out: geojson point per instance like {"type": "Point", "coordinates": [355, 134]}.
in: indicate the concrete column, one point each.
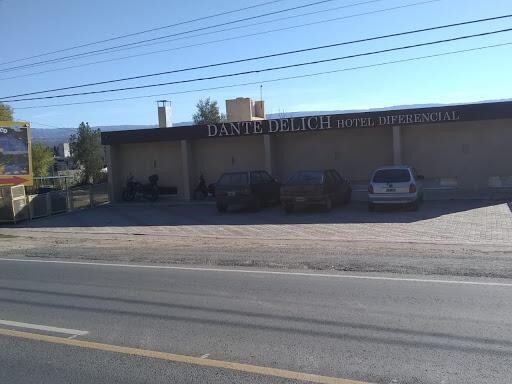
{"type": "Point", "coordinates": [112, 172]}
{"type": "Point", "coordinates": [397, 145]}
{"type": "Point", "coordinates": [268, 149]}
{"type": "Point", "coordinates": [186, 164]}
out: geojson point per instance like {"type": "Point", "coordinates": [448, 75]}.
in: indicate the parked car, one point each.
{"type": "Point", "coordinates": [315, 188]}
{"type": "Point", "coordinates": [252, 189]}
{"type": "Point", "coordinates": [395, 185]}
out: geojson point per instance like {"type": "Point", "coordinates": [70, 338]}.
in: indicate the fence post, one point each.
{"type": "Point", "coordinates": [91, 197]}
{"type": "Point", "coordinates": [30, 208]}
{"type": "Point", "coordinates": [48, 204]}
{"type": "Point", "coordinates": [69, 195]}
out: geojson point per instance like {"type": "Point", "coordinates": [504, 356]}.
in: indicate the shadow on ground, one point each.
{"type": "Point", "coordinates": [263, 321]}
{"type": "Point", "coordinates": [148, 214]}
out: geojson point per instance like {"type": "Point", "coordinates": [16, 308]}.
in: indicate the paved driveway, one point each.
{"type": "Point", "coordinates": [444, 222]}
{"type": "Point", "coordinates": [462, 238]}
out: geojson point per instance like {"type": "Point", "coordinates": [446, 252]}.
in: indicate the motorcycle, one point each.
{"type": "Point", "coordinates": [201, 192]}
{"type": "Point", "coordinates": [136, 190]}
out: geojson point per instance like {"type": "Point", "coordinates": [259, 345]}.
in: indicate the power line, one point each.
{"type": "Point", "coordinates": [231, 38]}
{"type": "Point", "coordinates": [266, 56]}
{"type": "Point", "coordinates": [172, 35]}
{"type": "Point", "coordinates": [267, 69]}
{"type": "Point", "coordinates": [417, 58]}
{"type": "Point", "coordinates": [142, 32]}
{"type": "Point", "coordinates": [164, 39]}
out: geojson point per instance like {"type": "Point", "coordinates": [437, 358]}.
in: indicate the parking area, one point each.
{"type": "Point", "coordinates": [441, 222]}
{"type": "Point", "coordinates": [455, 238]}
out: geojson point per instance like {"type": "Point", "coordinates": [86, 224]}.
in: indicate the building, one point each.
{"type": "Point", "coordinates": [244, 109]}
{"type": "Point", "coordinates": [62, 159]}
{"type": "Point", "coordinates": [466, 149]}
{"type": "Point", "coordinates": [63, 150]}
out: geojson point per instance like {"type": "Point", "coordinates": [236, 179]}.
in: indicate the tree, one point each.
{"type": "Point", "coordinates": [42, 159]}
{"type": "Point", "coordinates": [5, 112]}
{"type": "Point", "coordinates": [86, 151]}
{"type": "Point", "coordinates": [208, 112]}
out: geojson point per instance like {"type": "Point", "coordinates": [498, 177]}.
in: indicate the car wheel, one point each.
{"type": "Point", "coordinates": [128, 195]}
{"type": "Point", "coordinates": [257, 204]}
{"type": "Point", "coordinates": [288, 208]}
{"type": "Point", "coordinates": [199, 195]}
{"type": "Point", "coordinates": [328, 205]}
{"type": "Point", "coordinates": [348, 198]}
{"type": "Point", "coordinates": [415, 206]}
{"type": "Point", "coordinates": [371, 207]}
{"type": "Point", "coordinates": [153, 196]}
{"type": "Point", "coordinates": [222, 207]}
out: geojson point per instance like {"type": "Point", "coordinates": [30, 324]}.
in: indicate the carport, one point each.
{"type": "Point", "coordinates": [463, 150]}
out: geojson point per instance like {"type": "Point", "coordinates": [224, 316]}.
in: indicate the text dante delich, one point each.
{"type": "Point", "coordinates": [314, 123]}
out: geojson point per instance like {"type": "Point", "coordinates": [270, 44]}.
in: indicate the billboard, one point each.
{"type": "Point", "coordinates": [15, 153]}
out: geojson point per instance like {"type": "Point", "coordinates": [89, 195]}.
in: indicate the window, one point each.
{"type": "Point", "coordinates": [392, 176]}
{"type": "Point", "coordinates": [256, 178]}
{"type": "Point", "coordinates": [234, 179]}
{"type": "Point", "coordinates": [337, 176]}
{"type": "Point", "coordinates": [306, 177]}
{"type": "Point", "coordinates": [329, 178]}
{"type": "Point", "coordinates": [265, 177]}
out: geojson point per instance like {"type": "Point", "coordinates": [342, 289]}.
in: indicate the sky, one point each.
{"type": "Point", "coordinates": [32, 27]}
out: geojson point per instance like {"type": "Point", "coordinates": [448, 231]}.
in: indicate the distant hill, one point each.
{"type": "Point", "coordinates": [52, 136]}
{"type": "Point", "coordinates": [55, 136]}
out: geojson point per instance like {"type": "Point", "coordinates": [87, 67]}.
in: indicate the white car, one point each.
{"type": "Point", "coordinates": [395, 185]}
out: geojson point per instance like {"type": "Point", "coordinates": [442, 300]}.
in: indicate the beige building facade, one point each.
{"type": "Point", "coordinates": [466, 149]}
{"type": "Point", "coordinates": [244, 109]}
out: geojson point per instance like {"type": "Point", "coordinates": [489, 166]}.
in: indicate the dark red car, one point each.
{"type": "Point", "coordinates": [315, 188]}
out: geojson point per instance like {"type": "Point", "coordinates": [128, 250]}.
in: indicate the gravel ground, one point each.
{"type": "Point", "coordinates": [411, 258]}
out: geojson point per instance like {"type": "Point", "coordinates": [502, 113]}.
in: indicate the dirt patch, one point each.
{"type": "Point", "coordinates": [455, 238]}
{"type": "Point", "coordinates": [414, 258]}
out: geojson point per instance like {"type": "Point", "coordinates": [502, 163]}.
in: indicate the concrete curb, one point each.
{"type": "Point", "coordinates": [164, 203]}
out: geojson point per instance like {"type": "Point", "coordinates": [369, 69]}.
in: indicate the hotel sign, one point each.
{"type": "Point", "coordinates": [323, 123]}
{"type": "Point", "coordinates": [326, 122]}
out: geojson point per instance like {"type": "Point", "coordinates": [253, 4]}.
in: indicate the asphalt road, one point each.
{"type": "Point", "coordinates": [372, 330]}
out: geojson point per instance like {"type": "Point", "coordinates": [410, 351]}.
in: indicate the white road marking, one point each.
{"type": "Point", "coordinates": [260, 272]}
{"type": "Point", "coordinates": [72, 337]}
{"type": "Point", "coordinates": [67, 331]}
{"type": "Point", "coordinates": [205, 356]}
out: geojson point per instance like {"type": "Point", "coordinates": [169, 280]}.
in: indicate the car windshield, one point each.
{"type": "Point", "coordinates": [306, 177]}
{"type": "Point", "coordinates": [239, 178]}
{"type": "Point", "coordinates": [392, 176]}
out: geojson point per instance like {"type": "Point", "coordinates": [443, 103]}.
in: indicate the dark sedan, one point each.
{"type": "Point", "coordinates": [252, 189]}
{"type": "Point", "coordinates": [315, 188]}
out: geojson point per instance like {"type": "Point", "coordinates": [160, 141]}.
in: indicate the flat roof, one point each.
{"type": "Point", "coordinates": [317, 123]}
